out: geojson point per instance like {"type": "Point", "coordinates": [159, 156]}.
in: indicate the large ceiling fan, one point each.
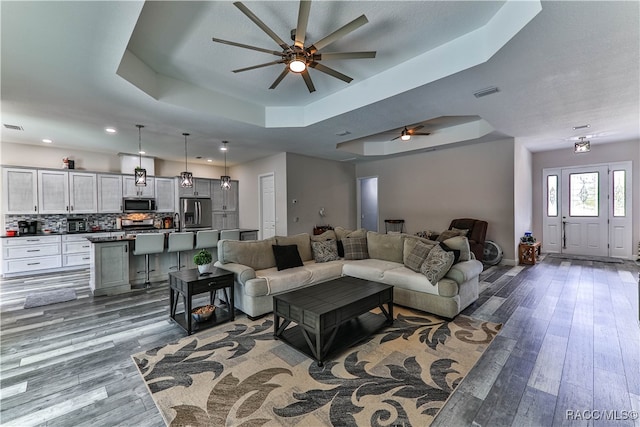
{"type": "Point", "coordinates": [296, 57]}
{"type": "Point", "coordinates": [406, 134]}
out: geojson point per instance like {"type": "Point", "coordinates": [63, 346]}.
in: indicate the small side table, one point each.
{"type": "Point", "coordinates": [529, 253]}
{"type": "Point", "coordinates": [189, 283]}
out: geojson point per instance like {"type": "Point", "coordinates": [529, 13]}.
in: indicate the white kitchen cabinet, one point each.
{"type": "Point", "coordinates": [110, 272]}
{"type": "Point", "coordinates": [201, 188]}
{"type": "Point", "coordinates": [83, 192]}
{"type": "Point", "coordinates": [165, 194]}
{"type": "Point", "coordinates": [109, 193]}
{"type": "Point", "coordinates": [19, 191]}
{"type": "Point", "coordinates": [129, 188]}
{"type": "Point", "coordinates": [30, 253]}
{"type": "Point", "coordinates": [76, 249]}
{"type": "Point", "coordinates": [225, 220]}
{"type": "Point", "coordinates": [225, 206]}
{"type": "Point", "coordinates": [53, 192]}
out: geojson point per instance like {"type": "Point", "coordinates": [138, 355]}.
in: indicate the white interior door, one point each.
{"type": "Point", "coordinates": [267, 206]}
{"type": "Point", "coordinates": [585, 214]}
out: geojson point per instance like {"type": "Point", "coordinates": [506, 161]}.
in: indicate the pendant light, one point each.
{"type": "Point", "coordinates": [186, 178]}
{"type": "Point", "coordinates": [140, 174]}
{"type": "Point", "coordinates": [225, 180]}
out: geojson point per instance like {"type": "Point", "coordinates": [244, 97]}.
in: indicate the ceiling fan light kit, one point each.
{"type": "Point", "coordinates": [406, 134]}
{"type": "Point", "coordinates": [296, 57]}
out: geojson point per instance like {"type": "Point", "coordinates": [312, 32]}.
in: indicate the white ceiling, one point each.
{"type": "Point", "coordinates": [69, 69]}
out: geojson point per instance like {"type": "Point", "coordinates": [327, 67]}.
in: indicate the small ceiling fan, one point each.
{"type": "Point", "coordinates": [406, 134]}
{"type": "Point", "coordinates": [296, 57]}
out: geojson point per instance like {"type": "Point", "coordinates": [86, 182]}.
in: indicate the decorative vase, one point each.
{"type": "Point", "coordinates": [204, 268]}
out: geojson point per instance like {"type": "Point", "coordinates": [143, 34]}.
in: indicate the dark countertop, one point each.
{"type": "Point", "coordinates": [111, 239]}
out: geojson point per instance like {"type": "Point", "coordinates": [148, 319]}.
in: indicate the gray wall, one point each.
{"type": "Point", "coordinates": [430, 189]}
{"type": "Point", "coordinates": [317, 183]}
{"type": "Point", "coordinates": [523, 193]}
{"type": "Point", "coordinates": [600, 153]}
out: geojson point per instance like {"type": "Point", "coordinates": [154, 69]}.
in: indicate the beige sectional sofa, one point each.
{"type": "Point", "coordinates": [257, 278]}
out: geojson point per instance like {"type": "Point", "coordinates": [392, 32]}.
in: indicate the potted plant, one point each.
{"type": "Point", "coordinates": [203, 260]}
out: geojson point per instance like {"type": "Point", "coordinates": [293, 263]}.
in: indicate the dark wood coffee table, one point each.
{"type": "Point", "coordinates": [331, 316]}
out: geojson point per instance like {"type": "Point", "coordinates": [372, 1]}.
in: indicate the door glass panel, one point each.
{"type": "Point", "coordinates": [552, 195]}
{"type": "Point", "coordinates": [583, 193]}
{"type": "Point", "coordinates": [619, 190]}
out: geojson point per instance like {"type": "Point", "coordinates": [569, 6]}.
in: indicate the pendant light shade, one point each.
{"type": "Point", "coordinates": [186, 178]}
{"type": "Point", "coordinates": [225, 180]}
{"type": "Point", "coordinates": [140, 173]}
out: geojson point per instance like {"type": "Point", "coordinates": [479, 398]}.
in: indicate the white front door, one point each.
{"type": "Point", "coordinates": [267, 206]}
{"type": "Point", "coordinates": [584, 211]}
{"type": "Point", "coordinates": [588, 210]}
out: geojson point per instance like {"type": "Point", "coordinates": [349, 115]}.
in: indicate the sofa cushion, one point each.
{"type": "Point", "coordinates": [256, 254]}
{"type": "Point", "coordinates": [355, 248]}
{"type": "Point", "coordinates": [368, 269]}
{"type": "Point", "coordinates": [278, 281]}
{"type": "Point", "coordinates": [461, 244]}
{"type": "Point", "coordinates": [387, 247]}
{"type": "Point", "coordinates": [343, 233]}
{"type": "Point", "coordinates": [405, 278]}
{"type": "Point", "coordinates": [325, 251]}
{"type": "Point", "coordinates": [455, 252]}
{"type": "Point", "coordinates": [437, 264]}
{"type": "Point", "coordinates": [417, 255]}
{"type": "Point", "coordinates": [287, 256]}
{"type": "Point", "coordinates": [327, 235]}
{"type": "Point", "coordinates": [303, 242]}
{"type": "Point", "coordinates": [447, 234]}
{"type": "Point", "coordinates": [324, 271]}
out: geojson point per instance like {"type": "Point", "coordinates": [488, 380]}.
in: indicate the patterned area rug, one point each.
{"type": "Point", "coordinates": [237, 375]}
{"type": "Point", "coordinates": [49, 297]}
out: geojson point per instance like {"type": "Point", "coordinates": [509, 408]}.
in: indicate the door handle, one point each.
{"type": "Point", "coordinates": [564, 234]}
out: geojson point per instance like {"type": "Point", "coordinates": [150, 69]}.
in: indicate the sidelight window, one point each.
{"type": "Point", "coordinates": [552, 195]}
{"type": "Point", "coordinates": [619, 191]}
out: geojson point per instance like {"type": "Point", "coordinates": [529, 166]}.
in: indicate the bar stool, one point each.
{"type": "Point", "coordinates": [230, 234]}
{"type": "Point", "coordinates": [180, 242]}
{"type": "Point", "coordinates": [207, 239]}
{"type": "Point", "coordinates": [146, 244]}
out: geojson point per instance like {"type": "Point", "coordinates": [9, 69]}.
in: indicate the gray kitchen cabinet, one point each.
{"type": "Point", "coordinates": [129, 188]}
{"type": "Point", "coordinates": [225, 205]}
{"type": "Point", "coordinates": [110, 272]}
{"type": "Point", "coordinates": [165, 194]}
{"type": "Point", "coordinates": [83, 192]}
{"type": "Point", "coordinates": [109, 193]}
{"type": "Point", "coordinates": [19, 191]}
{"type": "Point", "coordinates": [53, 192]}
{"type": "Point", "coordinates": [201, 188]}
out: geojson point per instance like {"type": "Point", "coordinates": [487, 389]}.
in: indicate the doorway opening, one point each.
{"type": "Point", "coordinates": [368, 203]}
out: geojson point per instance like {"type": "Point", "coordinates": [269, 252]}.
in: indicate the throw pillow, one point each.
{"type": "Point", "coordinates": [325, 251]}
{"type": "Point", "coordinates": [355, 248]}
{"type": "Point", "coordinates": [327, 235]}
{"type": "Point", "coordinates": [447, 234]}
{"type": "Point", "coordinates": [418, 254]}
{"type": "Point", "coordinates": [436, 265]}
{"type": "Point", "coordinates": [460, 243]}
{"type": "Point", "coordinates": [287, 256]}
{"type": "Point", "coordinates": [455, 252]}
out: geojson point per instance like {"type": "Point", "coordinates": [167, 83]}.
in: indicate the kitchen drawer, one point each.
{"type": "Point", "coordinates": [76, 247]}
{"type": "Point", "coordinates": [76, 259]}
{"type": "Point", "coordinates": [13, 252]}
{"type": "Point", "coordinates": [30, 264]}
{"type": "Point", "coordinates": [30, 240]}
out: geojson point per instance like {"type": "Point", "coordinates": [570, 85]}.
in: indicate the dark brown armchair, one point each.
{"type": "Point", "coordinates": [476, 235]}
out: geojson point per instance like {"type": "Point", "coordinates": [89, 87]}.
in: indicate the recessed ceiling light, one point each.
{"type": "Point", "coordinates": [142, 152]}
{"type": "Point", "coordinates": [209, 160]}
{"type": "Point", "coordinates": [110, 130]}
{"type": "Point", "coordinates": [581, 127]}
{"type": "Point", "coordinates": [47, 141]}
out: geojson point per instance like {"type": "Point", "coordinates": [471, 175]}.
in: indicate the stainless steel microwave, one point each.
{"type": "Point", "coordinates": [138, 204]}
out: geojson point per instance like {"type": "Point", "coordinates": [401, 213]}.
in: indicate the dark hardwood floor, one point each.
{"type": "Point", "coordinates": [570, 342]}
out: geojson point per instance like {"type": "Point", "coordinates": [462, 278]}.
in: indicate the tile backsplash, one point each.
{"type": "Point", "coordinates": [58, 223]}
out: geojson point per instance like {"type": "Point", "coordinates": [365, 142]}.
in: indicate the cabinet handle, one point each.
{"type": "Point", "coordinates": [35, 208]}
{"type": "Point", "coordinates": [33, 263]}
{"type": "Point", "coordinates": [67, 208]}
{"type": "Point", "coordinates": [72, 208]}
{"type": "Point", "coordinates": [87, 246]}
{"type": "Point", "coordinates": [86, 258]}
{"type": "Point", "coordinates": [33, 240]}
{"type": "Point", "coordinates": [126, 249]}
{"type": "Point", "coordinates": [33, 250]}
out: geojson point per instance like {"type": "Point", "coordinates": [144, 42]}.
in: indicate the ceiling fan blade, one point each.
{"type": "Point", "coordinates": [280, 77]}
{"type": "Point", "coordinates": [331, 72]}
{"type": "Point", "coordinates": [421, 133]}
{"type": "Point", "coordinates": [246, 46]}
{"type": "Point", "coordinates": [244, 9]}
{"type": "Point", "coordinates": [307, 81]}
{"type": "Point", "coordinates": [344, 55]}
{"type": "Point", "coordinates": [413, 130]}
{"type": "Point", "coordinates": [303, 20]}
{"type": "Point", "coordinates": [393, 139]}
{"type": "Point", "coordinates": [340, 32]}
{"type": "Point", "coordinates": [239, 70]}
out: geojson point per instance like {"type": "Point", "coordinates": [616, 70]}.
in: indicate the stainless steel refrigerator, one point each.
{"type": "Point", "coordinates": [195, 214]}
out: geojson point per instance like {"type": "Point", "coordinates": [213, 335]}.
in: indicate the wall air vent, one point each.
{"type": "Point", "coordinates": [484, 92]}
{"type": "Point", "coordinates": [13, 127]}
